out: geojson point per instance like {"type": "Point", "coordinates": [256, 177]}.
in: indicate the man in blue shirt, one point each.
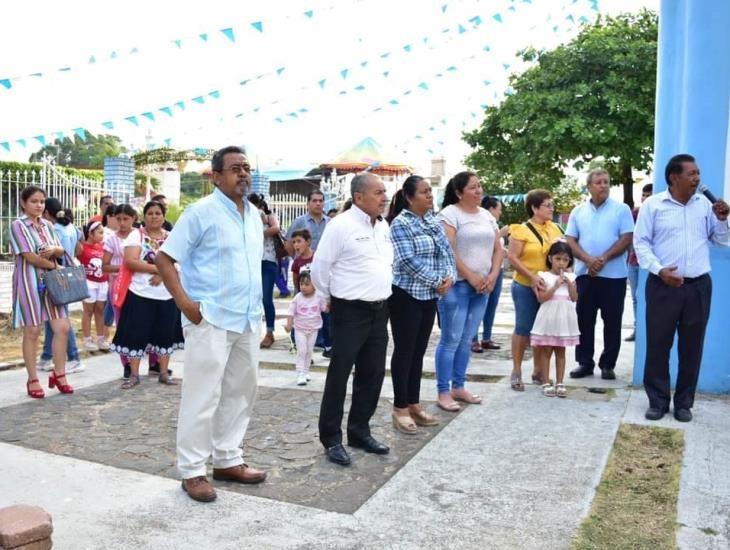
{"type": "Point", "coordinates": [599, 233]}
{"type": "Point", "coordinates": [218, 244]}
{"type": "Point", "coordinates": [673, 234]}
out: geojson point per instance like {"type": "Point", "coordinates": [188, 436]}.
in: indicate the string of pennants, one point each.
{"type": "Point", "coordinates": [179, 107]}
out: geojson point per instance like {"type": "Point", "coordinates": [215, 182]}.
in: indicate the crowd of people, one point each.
{"type": "Point", "coordinates": [207, 283]}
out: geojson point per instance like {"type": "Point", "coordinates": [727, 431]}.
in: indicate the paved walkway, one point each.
{"type": "Point", "coordinates": [519, 471]}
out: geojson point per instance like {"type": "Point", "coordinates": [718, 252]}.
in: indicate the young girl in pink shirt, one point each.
{"type": "Point", "coordinates": [305, 315]}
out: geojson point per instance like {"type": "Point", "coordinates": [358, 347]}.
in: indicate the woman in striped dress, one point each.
{"type": "Point", "coordinates": [36, 248]}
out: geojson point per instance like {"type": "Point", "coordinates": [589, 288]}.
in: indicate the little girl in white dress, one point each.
{"type": "Point", "coordinates": [556, 324]}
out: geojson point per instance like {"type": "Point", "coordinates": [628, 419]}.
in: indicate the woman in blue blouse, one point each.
{"type": "Point", "coordinates": [423, 270]}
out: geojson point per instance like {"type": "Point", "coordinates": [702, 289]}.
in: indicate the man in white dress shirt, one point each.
{"type": "Point", "coordinates": [671, 239]}
{"type": "Point", "coordinates": [353, 269]}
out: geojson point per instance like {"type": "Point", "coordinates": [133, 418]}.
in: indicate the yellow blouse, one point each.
{"type": "Point", "coordinates": [534, 254]}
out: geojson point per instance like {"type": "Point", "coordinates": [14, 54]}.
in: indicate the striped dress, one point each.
{"type": "Point", "coordinates": [29, 307]}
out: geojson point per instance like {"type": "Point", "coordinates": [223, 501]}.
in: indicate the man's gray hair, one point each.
{"type": "Point", "coordinates": [359, 182]}
{"type": "Point", "coordinates": [597, 172]}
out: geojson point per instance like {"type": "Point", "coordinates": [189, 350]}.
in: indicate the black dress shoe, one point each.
{"type": "Point", "coordinates": [683, 415]}
{"type": "Point", "coordinates": [608, 374]}
{"type": "Point", "coordinates": [369, 444]}
{"type": "Point", "coordinates": [631, 337]}
{"type": "Point", "coordinates": [653, 413]}
{"type": "Point", "coordinates": [338, 455]}
{"type": "Point", "coordinates": [327, 353]}
{"type": "Point", "coordinates": [581, 372]}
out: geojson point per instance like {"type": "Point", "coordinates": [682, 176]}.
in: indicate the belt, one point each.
{"type": "Point", "coordinates": [378, 304]}
{"type": "Point", "coordinates": [690, 280]}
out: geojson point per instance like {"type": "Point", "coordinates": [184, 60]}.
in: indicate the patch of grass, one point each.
{"type": "Point", "coordinates": [709, 531]}
{"type": "Point", "coordinates": [636, 501]}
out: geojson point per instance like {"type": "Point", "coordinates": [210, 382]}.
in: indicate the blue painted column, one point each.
{"type": "Point", "coordinates": [692, 116]}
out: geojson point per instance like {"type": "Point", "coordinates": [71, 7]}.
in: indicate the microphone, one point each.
{"type": "Point", "coordinates": [707, 193]}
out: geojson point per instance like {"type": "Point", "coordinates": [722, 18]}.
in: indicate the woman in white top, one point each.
{"type": "Point", "coordinates": [472, 233]}
{"type": "Point", "coordinates": [149, 320]}
{"type": "Point", "coordinates": [269, 265]}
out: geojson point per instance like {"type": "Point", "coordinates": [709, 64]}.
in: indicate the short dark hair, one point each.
{"type": "Point", "coordinates": [31, 190]}
{"type": "Point", "coordinates": [258, 200]}
{"type": "Point", "coordinates": [126, 209]}
{"type": "Point", "coordinates": [534, 199]}
{"type": "Point", "coordinates": [559, 247]}
{"type": "Point", "coordinates": [152, 204]}
{"type": "Point", "coordinates": [216, 163]}
{"type": "Point", "coordinates": [648, 188]}
{"type": "Point", "coordinates": [315, 192]}
{"type": "Point", "coordinates": [332, 211]}
{"type": "Point", "coordinates": [305, 275]}
{"type": "Point", "coordinates": [676, 166]}
{"type": "Point", "coordinates": [456, 184]}
{"type": "Point", "coordinates": [490, 202]}
{"type": "Point", "coordinates": [103, 198]}
{"type": "Point", "coordinates": [303, 233]}
{"type": "Point", "coordinates": [158, 198]}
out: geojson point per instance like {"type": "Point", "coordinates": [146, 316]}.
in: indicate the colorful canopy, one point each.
{"type": "Point", "coordinates": [367, 155]}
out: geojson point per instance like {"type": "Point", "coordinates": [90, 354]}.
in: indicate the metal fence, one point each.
{"type": "Point", "coordinates": [80, 195]}
{"type": "Point", "coordinates": [288, 207]}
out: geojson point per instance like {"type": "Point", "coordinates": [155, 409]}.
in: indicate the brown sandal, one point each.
{"type": "Point", "coordinates": [449, 406]}
{"type": "Point", "coordinates": [466, 397]}
{"type": "Point", "coordinates": [422, 418]}
{"type": "Point", "coordinates": [404, 424]}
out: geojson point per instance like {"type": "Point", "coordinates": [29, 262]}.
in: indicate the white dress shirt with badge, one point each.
{"type": "Point", "coordinates": [354, 259]}
{"type": "Point", "coordinates": [669, 233]}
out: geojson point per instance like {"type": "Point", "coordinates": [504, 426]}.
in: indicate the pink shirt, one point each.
{"type": "Point", "coordinates": [307, 312]}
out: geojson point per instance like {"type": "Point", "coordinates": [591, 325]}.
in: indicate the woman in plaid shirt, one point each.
{"type": "Point", "coordinates": [423, 270]}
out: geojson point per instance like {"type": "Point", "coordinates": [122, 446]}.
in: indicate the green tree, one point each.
{"type": "Point", "coordinates": [82, 153]}
{"type": "Point", "coordinates": [592, 97]}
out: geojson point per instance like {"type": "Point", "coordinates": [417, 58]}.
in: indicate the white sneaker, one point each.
{"type": "Point", "coordinates": [74, 366]}
{"type": "Point", "coordinates": [301, 380]}
{"type": "Point", "coordinates": [89, 345]}
{"type": "Point", "coordinates": [103, 344]}
{"type": "Point", "coordinates": [45, 365]}
{"type": "Point", "coordinates": [309, 378]}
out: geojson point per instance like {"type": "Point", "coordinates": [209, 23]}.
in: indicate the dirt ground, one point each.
{"type": "Point", "coordinates": [11, 340]}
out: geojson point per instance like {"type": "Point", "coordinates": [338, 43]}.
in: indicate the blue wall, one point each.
{"type": "Point", "coordinates": [692, 113]}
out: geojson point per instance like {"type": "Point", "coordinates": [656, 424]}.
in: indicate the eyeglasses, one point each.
{"type": "Point", "coordinates": [549, 205]}
{"type": "Point", "coordinates": [237, 169]}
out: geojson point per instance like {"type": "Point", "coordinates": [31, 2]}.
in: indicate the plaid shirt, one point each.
{"type": "Point", "coordinates": [423, 257]}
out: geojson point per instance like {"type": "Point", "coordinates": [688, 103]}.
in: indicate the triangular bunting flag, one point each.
{"type": "Point", "coordinates": [109, 125]}
{"type": "Point", "coordinates": [200, 99]}
{"type": "Point", "coordinates": [180, 105]}
{"type": "Point", "coordinates": [363, 63]}
{"type": "Point", "coordinates": [166, 110]}
{"type": "Point", "coordinates": [5, 145]}
{"type": "Point", "coordinates": [386, 73]}
{"type": "Point", "coordinates": [444, 7]}
{"type": "Point", "coordinates": [360, 88]}
{"type": "Point", "coordinates": [6, 82]}
{"type": "Point", "coordinates": [41, 140]}
{"type": "Point", "coordinates": [215, 94]}
{"type": "Point", "coordinates": [244, 82]}
{"type": "Point", "coordinates": [309, 13]}
{"type": "Point", "coordinates": [322, 82]}
{"type": "Point", "coordinates": [461, 29]}
{"type": "Point", "coordinates": [343, 73]}
{"type": "Point", "coordinates": [149, 116]}
{"type": "Point", "coordinates": [278, 119]}
{"type": "Point", "coordinates": [113, 55]}
{"type": "Point", "coordinates": [177, 43]}
{"type": "Point", "coordinates": [258, 25]}
{"type": "Point", "coordinates": [497, 17]}
{"type": "Point", "coordinates": [64, 69]}
{"type": "Point", "coordinates": [423, 85]}
{"type": "Point", "coordinates": [384, 55]}
{"type": "Point", "coordinates": [80, 132]}
{"type": "Point", "coordinates": [60, 135]}
{"type": "Point", "coordinates": [407, 47]}
{"type": "Point", "coordinates": [168, 142]}
{"type": "Point", "coordinates": [452, 68]}
{"type": "Point", "coordinates": [476, 20]}
{"type": "Point", "coordinates": [303, 110]}
{"type": "Point", "coordinates": [21, 142]}
{"type": "Point", "coordinates": [280, 70]}
{"type": "Point", "coordinates": [132, 119]}
{"type": "Point", "coordinates": [204, 36]}
{"type": "Point", "coordinates": [92, 59]}
{"type": "Point", "coordinates": [228, 33]}
{"type": "Point", "coordinates": [134, 51]}
{"type": "Point", "coordinates": [393, 102]}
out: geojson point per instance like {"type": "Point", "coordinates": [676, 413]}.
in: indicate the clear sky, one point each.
{"type": "Point", "coordinates": [316, 78]}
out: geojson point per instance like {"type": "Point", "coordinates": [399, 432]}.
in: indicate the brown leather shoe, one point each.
{"type": "Point", "coordinates": [267, 341]}
{"type": "Point", "coordinates": [199, 489]}
{"type": "Point", "coordinates": [243, 473]}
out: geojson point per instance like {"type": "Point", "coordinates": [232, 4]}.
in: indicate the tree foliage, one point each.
{"type": "Point", "coordinates": [592, 97]}
{"type": "Point", "coordinates": [82, 153]}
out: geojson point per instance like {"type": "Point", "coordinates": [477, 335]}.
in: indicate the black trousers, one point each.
{"type": "Point", "coordinates": [359, 338]}
{"type": "Point", "coordinates": [684, 310]}
{"type": "Point", "coordinates": [606, 295]}
{"type": "Point", "coordinates": [411, 321]}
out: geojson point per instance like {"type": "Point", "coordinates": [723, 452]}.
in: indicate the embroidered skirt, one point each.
{"type": "Point", "coordinates": [147, 325]}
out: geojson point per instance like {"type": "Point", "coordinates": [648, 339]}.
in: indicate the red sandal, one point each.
{"type": "Point", "coordinates": [35, 394]}
{"type": "Point", "coordinates": [53, 381]}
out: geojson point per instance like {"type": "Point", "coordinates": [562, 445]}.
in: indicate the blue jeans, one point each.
{"type": "Point", "coordinates": [108, 313]}
{"type": "Point", "coordinates": [634, 284]}
{"type": "Point", "coordinates": [269, 272]}
{"type": "Point", "coordinates": [323, 336]}
{"type": "Point", "coordinates": [491, 311]}
{"type": "Point", "coordinates": [72, 351]}
{"type": "Point", "coordinates": [526, 306]}
{"type": "Point", "coordinates": [282, 277]}
{"type": "Point", "coordinates": [460, 311]}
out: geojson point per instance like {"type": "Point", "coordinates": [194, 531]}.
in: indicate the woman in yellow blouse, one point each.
{"type": "Point", "coordinates": [528, 247]}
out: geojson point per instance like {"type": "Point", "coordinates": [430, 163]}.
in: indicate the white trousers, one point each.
{"type": "Point", "coordinates": [218, 393]}
{"type": "Point", "coordinates": [305, 346]}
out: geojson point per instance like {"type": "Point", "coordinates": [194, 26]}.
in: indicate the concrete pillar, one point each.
{"type": "Point", "coordinates": [693, 116]}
